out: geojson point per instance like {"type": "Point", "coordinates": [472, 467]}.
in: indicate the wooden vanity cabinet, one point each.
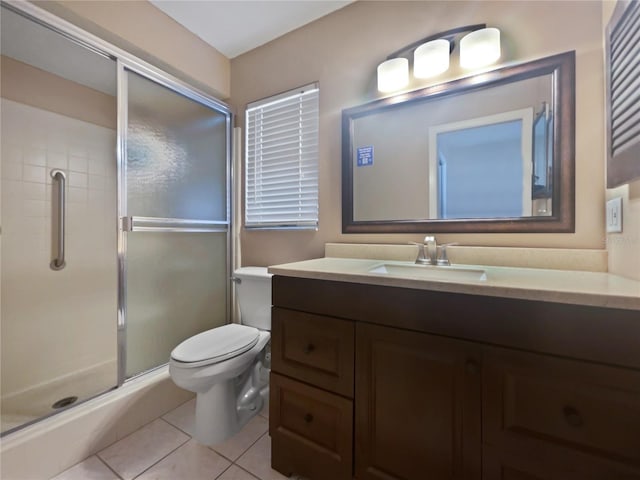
{"type": "Point", "coordinates": [409, 384]}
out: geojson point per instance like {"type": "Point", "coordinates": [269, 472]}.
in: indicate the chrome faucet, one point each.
{"type": "Point", "coordinates": [431, 247]}
{"type": "Point", "coordinates": [430, 253]}
{"type": "Point", "coordinates": [427, 251]}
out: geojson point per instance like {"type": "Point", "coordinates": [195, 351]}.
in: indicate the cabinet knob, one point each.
{"type": "Point", "coordinates": [472, 367]}
{"type": "Point", "coordinates": [308, 418]}
{"type": "Point", "coordinates": [309, 348]}
{"type": "Point", "coordinates": [572, 416]}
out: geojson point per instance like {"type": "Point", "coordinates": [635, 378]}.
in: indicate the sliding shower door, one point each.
{"type": "Point", "coordinates": [174, 243]}
{"type": "Point", "coordinates": [59, 223]}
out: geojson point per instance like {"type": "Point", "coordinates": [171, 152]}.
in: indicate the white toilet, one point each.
{"type": "Point", "coordinates": [228, 366]}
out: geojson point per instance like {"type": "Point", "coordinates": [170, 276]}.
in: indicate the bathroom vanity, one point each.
{"type": "Point", "coordinates": [522, 375]}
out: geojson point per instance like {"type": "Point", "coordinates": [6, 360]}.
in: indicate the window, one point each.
{"type": "Point", "coordinates": [623, 94]}
{"type": "Point", "coordinates": [281, 163]}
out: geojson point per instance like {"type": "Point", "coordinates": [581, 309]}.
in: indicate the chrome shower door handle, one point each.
{"type": "Point", "coordinates": [58, 263]}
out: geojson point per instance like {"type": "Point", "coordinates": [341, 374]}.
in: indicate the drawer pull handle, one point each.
{"type": "Point", "coordinates": [309, 348]}
{"type": "Point", "coordinates": [308, 418]}
{"type": "Point", "coordinates": [472, 367]}
{"type": "Point", "coordinates": [572, 416]}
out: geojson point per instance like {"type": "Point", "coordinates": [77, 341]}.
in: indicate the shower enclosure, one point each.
{"type": "Point", "coordinates": [115, 215]}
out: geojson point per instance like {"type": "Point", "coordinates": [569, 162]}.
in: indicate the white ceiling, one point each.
{"type": "Point", "coordinates": [234, 27]}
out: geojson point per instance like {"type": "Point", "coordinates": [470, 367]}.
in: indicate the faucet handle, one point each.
{"type": "Point", "coordinates": [421, 259]}
{"type": "Point", "coordinates": [443, 259]}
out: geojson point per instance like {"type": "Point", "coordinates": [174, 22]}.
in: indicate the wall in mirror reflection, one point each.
{"type": "Point", "coordinates": [483, 154]}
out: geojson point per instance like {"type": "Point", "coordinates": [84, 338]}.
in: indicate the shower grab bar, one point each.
{"type": "Point", "coordinates": [157, 224]}
{"type": "Point", "coordinates": [58, 263]}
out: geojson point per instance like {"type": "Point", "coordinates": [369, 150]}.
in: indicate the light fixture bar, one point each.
{"type": "Point", "coordinates": [448, 35]}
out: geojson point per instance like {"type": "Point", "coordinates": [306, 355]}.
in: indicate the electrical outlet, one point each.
{"type": "Point", "coordinates": [614, 215]}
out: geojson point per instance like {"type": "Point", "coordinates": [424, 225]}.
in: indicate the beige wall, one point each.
{"type": "Point", "coordinates": [31, 86]}
{"type": "Point", "coordinates": [342, 50]}
{"type": "Point", "coordinates": [144, 30]}
{"type": "Point", "coordinates": [624, 248]}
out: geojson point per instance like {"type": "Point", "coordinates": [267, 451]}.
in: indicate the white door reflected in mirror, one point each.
{"type": "Point", "coordinates": [482, 167]}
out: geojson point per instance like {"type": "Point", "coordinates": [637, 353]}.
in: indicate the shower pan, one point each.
{"type": "Point", "coordinates": [115, 215]}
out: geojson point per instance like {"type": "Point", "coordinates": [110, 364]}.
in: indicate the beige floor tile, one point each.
{"type": "Point", "coordinates": [135, 453]}
{"type": "Point", "coordinates": [265, 410]}
{"type": "Point", "coordinates": [241, 441]}
{"type": "Point", "coordinates": [236, 473]}
{"type": "Point", "coordinates": [191, 461]}
{"type": "Point", "coordinates": [91, 469]}
{"type": "Point", "coordinates": [257, 460]}
{"type": "Point", "coordinates": [183, 417]}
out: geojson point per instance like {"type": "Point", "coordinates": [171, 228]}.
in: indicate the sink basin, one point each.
{"type": "Point", "coordinates": [430, 272]}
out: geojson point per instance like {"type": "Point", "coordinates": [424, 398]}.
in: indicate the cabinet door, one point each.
{"type": "Point", "coordinates": [417, 406]}
{"type": "Point", "coordinates": [558, 418]}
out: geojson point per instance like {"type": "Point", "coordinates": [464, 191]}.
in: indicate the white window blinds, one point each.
{"type": "Point", "coordinates": [281, 164]}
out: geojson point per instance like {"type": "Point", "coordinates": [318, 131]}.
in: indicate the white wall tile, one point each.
{"type": "Point", "coordinates": [56, 160]}
{"type": "Point", "coordinates": [35, 156]}
{"type": "Point", "coordinates": [34, 173]}
{"type": "Point", "coordinates": [78, 164]}
{"type": "Point", "coordinates": [11, 170]}
{"type": "Point", "coordinates": [40, 141]}
{"type": "Point", "coordinates": [34, 191]}
{"type": "Point", "coordinates": [77, 179]}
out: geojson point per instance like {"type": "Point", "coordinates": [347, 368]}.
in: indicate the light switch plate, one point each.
{"type": "Point", "coordinates": [614, 215]}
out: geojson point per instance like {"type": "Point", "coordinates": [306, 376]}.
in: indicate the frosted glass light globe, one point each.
{"type": "Point", "coordinates": [480, 48]}
{"type": "Point", "coordinates": [431, 58]}
{"type": "Point", "coordinates": [393, 74]}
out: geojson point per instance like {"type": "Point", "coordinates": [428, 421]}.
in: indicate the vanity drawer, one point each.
{"type": "Point", "coordinates": [311, 431]}
{"type": "Point", "coordinates": [313, 348]}
{"type": "Point", "coordinates": [534, 402]}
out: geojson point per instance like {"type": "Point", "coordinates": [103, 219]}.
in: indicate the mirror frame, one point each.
{"type": "Point", "coordinates": [562, 70]}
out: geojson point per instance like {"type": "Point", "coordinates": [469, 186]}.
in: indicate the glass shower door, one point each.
{"type": "Point", "coordinates": [175, 209]}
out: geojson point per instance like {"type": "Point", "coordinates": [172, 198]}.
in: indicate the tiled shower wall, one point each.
{"type": "Point", "coordinates": [57, 324]}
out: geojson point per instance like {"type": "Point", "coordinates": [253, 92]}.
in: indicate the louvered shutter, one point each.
{"type": "Point", "coordinates": [623, 94]}
{"type": "Point", "coordinates": [281, 167]}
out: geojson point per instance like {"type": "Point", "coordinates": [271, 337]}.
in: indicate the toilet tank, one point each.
{"type": "Point", "coordinates": [253, 288]}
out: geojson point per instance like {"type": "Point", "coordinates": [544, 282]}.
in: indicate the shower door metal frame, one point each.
{"type": "Point", "coordinates": [127, 61]}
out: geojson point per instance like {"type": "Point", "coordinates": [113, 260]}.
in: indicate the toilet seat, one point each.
{"type": "Point", "coordinates": [215, 345]}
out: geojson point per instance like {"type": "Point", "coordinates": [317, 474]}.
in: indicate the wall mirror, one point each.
{"type": "Point", "coordinates": [493, 152]}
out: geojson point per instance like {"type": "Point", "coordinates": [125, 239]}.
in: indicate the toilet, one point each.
{"type": "Point", "coordinates": [228, 366]}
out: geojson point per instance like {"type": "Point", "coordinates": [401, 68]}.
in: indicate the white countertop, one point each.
{"type": "Point", "coordinates": [561, 286]}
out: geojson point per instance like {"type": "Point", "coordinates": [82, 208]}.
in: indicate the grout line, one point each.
{"type": "Point", "coordinates": [244, 451]}
{"type": "Point", "coordinates": [257, 440]}
{"type": "Point", "coordinates": [222, 472]}
{"type": "Point", "coordinates": [108, 466]}
{"type": "Point", "coordinates": [176, 427]}
{"type": "Point", "coordinates": [155, 463]}
{"type": "Point", "coordinates": [246, 471]}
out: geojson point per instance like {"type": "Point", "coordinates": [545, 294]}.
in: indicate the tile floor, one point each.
{"type": "Point", "coordinates": [164, 450]}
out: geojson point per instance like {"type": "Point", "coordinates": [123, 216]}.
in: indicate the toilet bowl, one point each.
{"type": "Point", "coordinates": [228, 366]}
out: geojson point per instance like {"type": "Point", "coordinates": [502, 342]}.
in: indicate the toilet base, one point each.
{"type": "Point", "coordinates": [226, 407]}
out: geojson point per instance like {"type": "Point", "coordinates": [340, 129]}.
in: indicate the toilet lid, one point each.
{"type": "Point", "coordinates": [217, 344]}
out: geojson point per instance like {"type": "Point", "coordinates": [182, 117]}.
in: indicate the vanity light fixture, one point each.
{"type": "Point", "coordinates": [479, 46]}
